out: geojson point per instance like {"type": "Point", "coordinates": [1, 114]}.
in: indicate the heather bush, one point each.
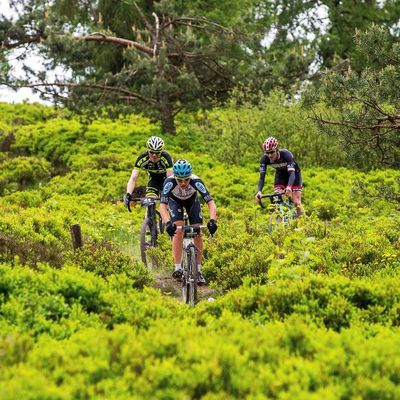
{"type": "Point", "coordinates": [309, 310]}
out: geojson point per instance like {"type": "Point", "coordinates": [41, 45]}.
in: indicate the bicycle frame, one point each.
{"type": "Point", "coordinates": [284, 211]}
{"type": "Point", "coordinates": [150, 227]}
{"type": "Point", "coordinates": [189, 263]}
{"type": "Point", "coordinates": [150, 204]}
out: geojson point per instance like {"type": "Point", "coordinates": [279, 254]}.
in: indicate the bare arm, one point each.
{"type": "Point", "coordinates": [132, 181]}
{"type": "Point", "coordinates": [169, 172]}
{"type": "Point", "coordinates": [164, 212]}
{"type": "Point", "coordinates": [212, 209]}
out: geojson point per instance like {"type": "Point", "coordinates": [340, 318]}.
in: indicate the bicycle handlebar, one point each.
{"type": "Point", "coordinates": [190, 228]}
{"type": "Point", "coordinates": [193, 230]}
{"type": "Point", "coordinates": [274, 198]}
{"type": "Point", "coordinates": [145, 198]}
{"type": "Point", "coordinates": [145, 201]}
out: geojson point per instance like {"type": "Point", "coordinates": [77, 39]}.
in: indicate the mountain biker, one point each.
{"type": "Point", "coordinates": [288, 179]}
{"type": "Point", "coordinates": [180, 192]}
{"type": "Point", "coordinates": [157, 163]}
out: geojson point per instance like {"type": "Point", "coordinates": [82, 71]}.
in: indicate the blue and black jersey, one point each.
{"type": "Point", "coordinates": [185, 198]}
{"type": "Point", "coordinates": [171, 190]}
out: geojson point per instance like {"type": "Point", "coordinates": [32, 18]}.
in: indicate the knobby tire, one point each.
{"type": "Point", "coordinates": [189, 282]}
{"type": "Point", "coordinates": [148, 239]}
{"type": "Point", "coordinates": [274, 220]}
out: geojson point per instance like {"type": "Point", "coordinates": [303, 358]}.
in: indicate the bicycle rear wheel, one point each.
{"type": "Point", "coordinates": [189, 281]}
{"type": "Point", "coordinates": [148, 239]}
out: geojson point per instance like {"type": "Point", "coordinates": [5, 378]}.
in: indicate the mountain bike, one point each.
{"type": "Point", "coordinates": [282, 211]}
{"type": "Point", "coordinates": [189, 263]}
{"type": "Point", "coordinates": [152, 225]}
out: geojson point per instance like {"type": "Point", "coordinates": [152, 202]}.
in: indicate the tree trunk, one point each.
{"type": "Point", "coordinates": [76, 236]}
{"type": "Point", "coordinates": [167, 120]}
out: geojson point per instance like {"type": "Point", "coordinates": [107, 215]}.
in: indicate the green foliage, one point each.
{"type": "Point", "coordinates": [25, 114]}
{"type": "Point", "coordinates": [158, 59]}
{"type": "Point", "coordinates": [224, 359]}
{"type": "Point", "coordinates": [335, 302]}
{"type": "Point", "coordinates": [292, 309]}
{"type": "Point", "coordinates": [55, 139]}
{"type": "Point", "coordinates": [235, 133]}
{"type": "Point", "coordinates": [236, 255]}
{"type": "Point", "coordinates": [20, 172]}
{"type": "Point", "coordinates": [105, 261]}
{"type": "Point", "coordinates": [365, 104]}
{"type": "Point", "coordinates": [60, 302]}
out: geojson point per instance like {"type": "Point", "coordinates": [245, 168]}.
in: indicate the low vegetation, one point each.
{"type": "Point", "coordinates": [309, 311]}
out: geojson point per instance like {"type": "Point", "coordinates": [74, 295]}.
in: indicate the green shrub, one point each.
{"type": "Point", "coordinates": [310, 310]}
{"type": "Point", "coordinates": [227, 358]}
{"type": "Point", "coordinates": [22, 172]}
{"type": "Point", "coordinates": [334, 303]}
{"type": "Point", "coordinates": [103, 260]}
{"type": "Point", "coordinates": [235, 133]}
{"type": "Point", "coordinates": [60, 302]}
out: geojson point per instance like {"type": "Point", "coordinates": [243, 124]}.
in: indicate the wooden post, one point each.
{"type": "Point", "coordinates": [76, 236]}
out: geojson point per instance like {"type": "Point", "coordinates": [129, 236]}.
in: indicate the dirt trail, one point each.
{"type": "Point", "coordinates": [169, 286]}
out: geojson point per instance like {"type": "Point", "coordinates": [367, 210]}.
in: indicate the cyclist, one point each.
{"type": "Point", "coordinates": [180, 192]}
{"type": "Point", "coordinates": [156, 162]}
{"type": "Point", "coordinates": [287, 172]}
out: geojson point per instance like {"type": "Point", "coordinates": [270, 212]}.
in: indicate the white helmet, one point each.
{"type": "Point", "coordinates": [155, 144]}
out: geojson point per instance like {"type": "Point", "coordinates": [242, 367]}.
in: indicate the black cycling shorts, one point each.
{"type": "Point", "coordinates": [192, 207]}
{"type": "Point", "coordinates": [281, 181]}
{"type": "Point", "coordinates": [154, 186]}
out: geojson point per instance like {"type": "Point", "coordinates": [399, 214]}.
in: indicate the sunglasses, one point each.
{"type": "Point", "coordinates": [270, 152]}
{"type": "Point", "coordinates": [182, 179]}
{"type": "Point", "coordinates": [155, 152]}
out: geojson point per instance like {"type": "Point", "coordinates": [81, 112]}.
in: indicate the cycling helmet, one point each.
{"type": "Point", "coordinates": [182, 169]}
{"type": "Point", "coordinates": [155, 144]}
{"type": "Point", "coordinates": [270, 144]}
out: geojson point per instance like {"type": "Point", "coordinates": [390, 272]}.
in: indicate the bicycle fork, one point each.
{"type": "Point", "coordinates": [281, 213]}
{"type": "Point", "coordinates": [187, 245]}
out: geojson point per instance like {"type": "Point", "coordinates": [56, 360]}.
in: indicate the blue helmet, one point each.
{"type": "Point", "coordinates": [182, 169]}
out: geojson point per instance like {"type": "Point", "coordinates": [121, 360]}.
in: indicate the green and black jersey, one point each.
{"type": "Point", "coordinates": [157, 170]}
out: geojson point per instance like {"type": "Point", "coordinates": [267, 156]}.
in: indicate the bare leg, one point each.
{"type": "Point", "coordinates": [177, 241]}
{"type": "Point", "coordinates": [297, 203]}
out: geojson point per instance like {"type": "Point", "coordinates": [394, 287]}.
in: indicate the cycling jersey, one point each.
{"type": "Point", "coordinates": [157, 170]}
{"type": "Point", "coordinates": [186, 198]}
{"type": "Point", "coordinates": [172, 190]}
{"type": "Point", "coordinates": [287, 170]}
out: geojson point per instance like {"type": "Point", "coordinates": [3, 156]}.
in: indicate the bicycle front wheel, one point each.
{"type": "Point", "coordinates": [274, 220]}
{"type": "Point", "coordinates": [189, 282]}
{"type": "Point", "coordinates": [160, 224]}
{"type": "Point", "coordinates": [148, 239]}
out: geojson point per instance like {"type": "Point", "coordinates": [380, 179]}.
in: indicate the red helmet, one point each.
{"type": "Point", "coordinates": [270, 144]}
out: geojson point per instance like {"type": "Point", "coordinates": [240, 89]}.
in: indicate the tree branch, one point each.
{"type": "Point", "coordinates": [127, 93]}
{"type": "Point", "coordinates": [376, 107]}
{"type": "Point", "coordinates": [100, 37]}
{"type": "Point", "coordinates": [146, 22]}
{"type": "Point", "coordinates": [6, 44]}
{"type": "Point", "coordinates": [188, 20]}
{"type": "Point", "coordinates": [354, 125]}
{"type": "Point", "coordinates": [157, 35]}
